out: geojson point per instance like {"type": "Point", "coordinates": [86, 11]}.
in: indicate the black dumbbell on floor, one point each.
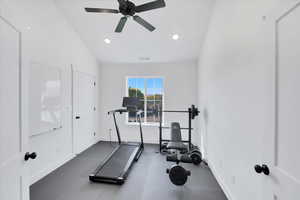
{"type": "Point", "coordinates": [178, 175]}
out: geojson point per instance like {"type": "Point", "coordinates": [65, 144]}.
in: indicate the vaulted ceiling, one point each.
{"type": "Point", "coordinates": [187, 18]}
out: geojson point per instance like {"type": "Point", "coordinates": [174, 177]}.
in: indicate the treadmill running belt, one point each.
{"type": "Point", "coordinates": [116, 164]}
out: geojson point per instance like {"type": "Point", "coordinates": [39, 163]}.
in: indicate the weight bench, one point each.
{"type": "Point", "coordinates": [176, 144]}
{"type": "Point", "coordinates": [176, 139]}
{"type": "Point", "coordinates": [177, 174]}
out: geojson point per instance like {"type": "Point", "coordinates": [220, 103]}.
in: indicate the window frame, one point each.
{"type": "Point", "coordinates": [155, 124]}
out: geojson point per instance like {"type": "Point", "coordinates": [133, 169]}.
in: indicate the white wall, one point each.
{"type": "Point", "coordinates": [235, 93]}
{"type": "Point", "coordinates": [47, 38]}
{"type": "Point", "coordinates": [179, 89]}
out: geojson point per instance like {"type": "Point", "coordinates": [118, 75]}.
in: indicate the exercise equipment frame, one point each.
{"type": "Point", "coordinates": [192, 113]}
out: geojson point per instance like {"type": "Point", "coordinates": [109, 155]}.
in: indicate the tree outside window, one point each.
{"type": "Point", "coordinates": [150, 92]}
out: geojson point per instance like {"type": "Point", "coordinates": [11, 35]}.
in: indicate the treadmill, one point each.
{"type": "Point", "coordinates": [116, 166]}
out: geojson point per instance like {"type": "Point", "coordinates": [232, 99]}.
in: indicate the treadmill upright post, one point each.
{"type": "Point", "coordinates": [117, 128]}
{"type": "Point", "coordinates": [141, 129]}
{"type": "Point", "coordinates": [160, 130]}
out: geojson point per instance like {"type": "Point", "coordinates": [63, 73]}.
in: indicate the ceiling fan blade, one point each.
{"type": "Point", "coordinates": [144, 23]}
{"type": "Point", "coordinates": [121, 25]}
{"type": "Point", "coordinates": [101, 10]}
{"type": "Point", "coordinates": [150, 6]}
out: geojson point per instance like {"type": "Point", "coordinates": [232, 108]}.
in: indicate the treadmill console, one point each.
{"type": "Point", "coordinates": [131, 103]}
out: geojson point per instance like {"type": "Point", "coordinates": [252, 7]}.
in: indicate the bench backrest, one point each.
{"type": "Point", "coordinates": [175, 132]}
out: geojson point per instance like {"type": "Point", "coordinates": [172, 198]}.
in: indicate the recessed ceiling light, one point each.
{"type": "Point", "coordinates": [107, 41]}
{"type": "Point", "coordinates": [175, 37]}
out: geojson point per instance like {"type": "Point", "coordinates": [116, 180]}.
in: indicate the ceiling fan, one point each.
{"type": "Point", "coordinates": [128, 8]}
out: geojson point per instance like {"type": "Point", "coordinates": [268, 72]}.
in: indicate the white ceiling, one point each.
{"type": "Point", "coordinates": [187, 18]}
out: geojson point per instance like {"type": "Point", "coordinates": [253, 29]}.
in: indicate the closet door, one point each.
{"type": "Point", "coordinates": [84, 111]}
{"type": "Point", "coordinates": [281, 172]}
{"type": "Point", "coordinates": [14, 179]}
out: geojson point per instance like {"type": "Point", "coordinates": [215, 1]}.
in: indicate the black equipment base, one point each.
{"type": "Point", "coordinates": [115, 168]}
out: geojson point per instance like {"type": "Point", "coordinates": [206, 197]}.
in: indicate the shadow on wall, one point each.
{"type": "Point", "coordinates": [203, 131]}
{"type": "Point", "coordinates": [205, 117]}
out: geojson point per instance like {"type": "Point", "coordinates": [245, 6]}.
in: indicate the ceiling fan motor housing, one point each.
{"type": "Point", "coordinates": [127, 9]}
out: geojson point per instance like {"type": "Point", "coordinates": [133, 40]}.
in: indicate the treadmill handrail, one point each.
{"type": "Point", "coordinates": [117, 127]}
{"type": "Point", "coordinates": [118, 111]}
{"type": "Point", "coordinates": [141, 129]}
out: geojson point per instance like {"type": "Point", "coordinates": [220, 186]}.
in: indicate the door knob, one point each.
{"type": "Point", "coordinates": [262, 169]}
{"type": "Point", "coordinates": [77, 117]}
{"type": "Point", "coordinates": [30, 155]}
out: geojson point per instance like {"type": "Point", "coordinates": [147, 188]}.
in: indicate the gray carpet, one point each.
{"type": "Point", "coordinates": [146, 181]}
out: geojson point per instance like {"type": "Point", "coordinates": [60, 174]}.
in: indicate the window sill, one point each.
{"type": "Point", "coordinates": [143, 124]}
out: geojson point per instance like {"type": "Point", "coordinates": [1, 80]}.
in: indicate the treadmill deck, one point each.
{"type": "Point", "coordinates": [115, 168]}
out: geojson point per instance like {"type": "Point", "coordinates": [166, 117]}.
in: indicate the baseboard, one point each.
{"type": "Point", "coordinates": [38, 176]}
{"type": "Point", "coordinates": [220, 181]}
{"type": "Point", "coordinates": [137, 140]}
{"type": "Point", "coordinates": [87, 146]}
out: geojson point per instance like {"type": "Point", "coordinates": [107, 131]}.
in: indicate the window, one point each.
{"type": "Point", "coordinates": [150, 92]}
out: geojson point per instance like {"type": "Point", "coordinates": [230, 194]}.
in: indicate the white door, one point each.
{"type": "Point", "coordinates": [84, 109]}
{"type": "Point", "coordinates": [13, 170]}
{"type": "Point", "coordinates": [283, 144]}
